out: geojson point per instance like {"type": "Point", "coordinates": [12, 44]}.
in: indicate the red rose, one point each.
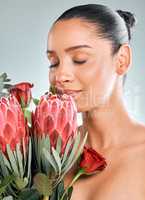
{"type": "Point", "coordinates": [22, 91]}
{"type": "Point", "coordinates": [91, 161]}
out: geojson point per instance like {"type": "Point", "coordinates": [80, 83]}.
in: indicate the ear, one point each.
{"type": "Point", "coordinates": [124, 59]}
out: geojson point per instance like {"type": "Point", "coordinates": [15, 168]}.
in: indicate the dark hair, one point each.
{"type": "Point", "coordinates": [112, 25]}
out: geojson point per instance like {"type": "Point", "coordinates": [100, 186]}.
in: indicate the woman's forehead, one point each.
{"type": "Point", "coordinates": [74, 22]}
{"type": "Point", "coordinates": [94, 46]}
{"type": "Point", "coordinates": [72, 28]}
{"type": "Point", "coordinates": [71, 32]}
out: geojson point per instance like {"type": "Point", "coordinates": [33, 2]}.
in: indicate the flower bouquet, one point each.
{"type": "Point", "coordinates": [38, 148]}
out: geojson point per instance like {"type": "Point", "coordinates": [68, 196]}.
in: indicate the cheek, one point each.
{"type": "Point", "coordinates": [102, 86]}
{"type": "Point", "coordinates": [92, 77]}
{"type": "Point", "coordinates": [98, 80]}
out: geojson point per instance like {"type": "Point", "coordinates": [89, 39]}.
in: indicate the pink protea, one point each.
{"type": "Point", "coordinates": [56, 116]}
{"type": "Point", "coordinates": [12, 123]}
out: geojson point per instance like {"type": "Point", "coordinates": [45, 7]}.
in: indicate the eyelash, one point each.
{"type": "Point", "coordinates": [76, 62]}
{"type": "Point", "coordinates": [51, 66]}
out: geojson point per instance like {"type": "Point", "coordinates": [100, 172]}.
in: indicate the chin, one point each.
{"type": "Point", "coordinates": [82, 108]}
{"type": "Point", "coordinates": [84, 103]}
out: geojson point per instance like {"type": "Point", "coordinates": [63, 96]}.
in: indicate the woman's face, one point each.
{"type": "Point", "coordinates": [82, 63]}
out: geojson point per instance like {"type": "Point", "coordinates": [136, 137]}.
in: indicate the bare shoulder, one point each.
{"type": "Point", "coordinates": [126, 179]}
{"type": "Point", "coordinates": [132, 173]}
{"type": "Point", "coordinates": [129, 171]}
{"type": "Point", "coordinates": [139, 135]}
{"type": "Point", "coordinates": [137, 141]}
{"type": "Point", "coordinates": [124, 176]}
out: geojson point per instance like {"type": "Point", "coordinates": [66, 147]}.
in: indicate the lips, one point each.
{"type": "Point", "coordinates": [72, 93]}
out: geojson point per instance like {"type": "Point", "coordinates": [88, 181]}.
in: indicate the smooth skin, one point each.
{"type": "Point", "coordinates": [84, 61]}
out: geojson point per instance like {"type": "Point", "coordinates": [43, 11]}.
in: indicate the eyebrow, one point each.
{"type": "Point", "coordinates": [71, 48]}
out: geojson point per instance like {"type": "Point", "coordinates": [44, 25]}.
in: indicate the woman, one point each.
{"type": "Point", "coordinates": [90, 54]}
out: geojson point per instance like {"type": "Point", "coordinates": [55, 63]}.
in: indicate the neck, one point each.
{"type": "Point", "coordinates": [108, 126]}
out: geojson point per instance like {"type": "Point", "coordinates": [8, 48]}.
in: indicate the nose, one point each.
{"type": "Point", "coordinates": [64, 74]}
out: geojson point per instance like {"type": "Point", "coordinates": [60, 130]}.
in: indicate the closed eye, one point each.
{"type": "Point", "coordinates": [79, 62]}
{"type": "Point", "coordinates": [53, 65]}
{"type": "Point", "coordinates": [75, 61]}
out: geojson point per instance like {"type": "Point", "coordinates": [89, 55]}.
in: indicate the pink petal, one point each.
{"type": "Point", "coordinates": [2, 121]}
{"type": "Point", "coordinates": [3, 108]}
{"type": "Point", "coordinates": [53, 138]}
{"type": "Point", "coordinates": [61, 120]}
{"type": "Point", "coordinates": [8, 133]}
{"type": "Point", "coordinates": [66, 132]}
{"type": "Point", "coordinates": [44, 107]}
{"type": "Point", "coordinates": [21, 133]}
{"type": "Point", "coordinates": [11, 117]}
{"type": "Point", "coordinates": [48, 124]}
{"type": "Point", "coordinates": [38, 129]}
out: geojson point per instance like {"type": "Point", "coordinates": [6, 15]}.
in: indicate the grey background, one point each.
{"type": "Point", "coordinates": [24, 27]}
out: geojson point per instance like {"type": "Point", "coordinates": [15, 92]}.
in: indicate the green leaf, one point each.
{"type": "Point", "coordinates": [59, 144]}
{"type": "Point", "coordinates": [4, 88]}
{"type": "Point", "coordinates": [7, 86]}
{"type": "Point", "coordinates": [43, 184]}
{"type": "Point", "coordinates": [46, 143]}
{"type": "Point", "coordinates": [7, 80]}
{"type": "Point", "coordinates": [6, 162]}
{"type": "Point", "coordinates": [3, 76]}
{"type": "Point", "coordinates": [35, 147]}
{"type": "Point", "coordinates": [36, 101]}
{"type": "Point", "coordinates": [23, 105]}
{"type": "Point", "coordinates": [67, 150]}
{"type": "Point", "coordinates": [73, 152]}
{"type": "Point", "coordinates": [46, 166]}
{"type": "Point", "coordinates": [20, 160]}
{"type": "Point", "coordinates": [5, 182]}
{"type": "Point", "coordinates": [71, 158]}
{"type": "Point", "coordinates": [29, 194]}
{"type": "Point", "coordinates": [58, 191]}
{"type": "Point", "coordinates": [50, 159]}
{"type": "Point", "coordinates": [3, 167]}
{"type": "Point", "coordinates": [29, 159]}
{"type": "Point", "coordinates": [69, 164]}
{"type": "Point", "coordinates": [57, 159]}
{"type": "Point", "coordinates": [80, 149]}
{"type": "Point", "coordinates": [28, 114]}
{"type": "Point", "coordinates": [39, 150]}
{"type": "Point", "coordinates": [12, 160]}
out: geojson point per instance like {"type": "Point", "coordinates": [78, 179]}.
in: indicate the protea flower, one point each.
{"type": "Point", "coordinates": [22, 91]}
{"type": "Point", "coordinates": [12, 123]}
{"type": "Point", "coordinates": [57, 141]}
{"type": "Point", "coordinates": [15, 145]}
{"type": "Point", "coordinates": [56, 116]}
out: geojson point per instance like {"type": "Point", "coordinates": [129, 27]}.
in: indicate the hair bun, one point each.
{"type": "Point", "coordinates": [128, 17]}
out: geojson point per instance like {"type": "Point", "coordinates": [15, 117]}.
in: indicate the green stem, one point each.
{"type": "Point", "coordinates": [45, 198]}
{"type": "Point", "coordinates": [80, 172]}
